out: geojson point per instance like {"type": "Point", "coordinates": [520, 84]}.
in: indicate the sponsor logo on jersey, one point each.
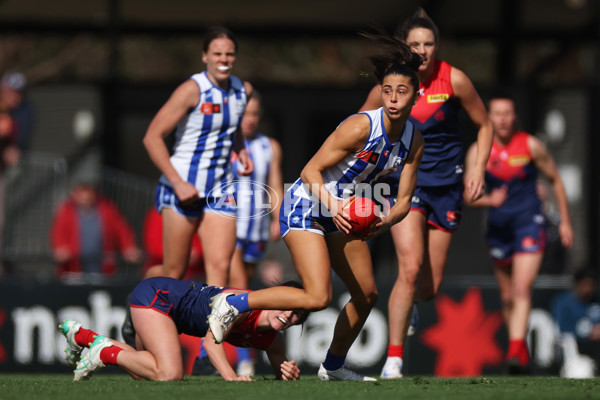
{"type": "Point", "coordinates": [368, 156]}
{"type": "Point", "coordinates": [529, 243]}
{"type": "Point", "coordinates": [439, 116]}
{"type": "Point", "coordinates": [210, 108]}
{"type": "Point", "coordinates": [451, 216]}
{"type": "Point", "coordinates": [518, 160]}
{"type": "Point", "coordinates": [438, 98]}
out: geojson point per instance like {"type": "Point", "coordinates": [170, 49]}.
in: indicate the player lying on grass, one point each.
{"type": "Point", "coordinates": [161, 309]}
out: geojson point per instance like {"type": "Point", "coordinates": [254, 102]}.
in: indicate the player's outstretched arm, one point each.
{"type": "Point", "coordinates": [218, 358]}
{"type": "Point", "coordinates": [470, 101]}
{"type": "Point", "coordinates": [284, 369]}
{"type": "Point", "coordinates": [546, 164]}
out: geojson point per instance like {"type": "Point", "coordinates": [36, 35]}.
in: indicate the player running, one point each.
{"type": "Point", "coordinates": [363, 147]}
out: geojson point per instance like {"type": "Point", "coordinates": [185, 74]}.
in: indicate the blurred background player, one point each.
{"type": "Point", "coordinates": [16, 125]}
{"type": "Point", "coordinates": [317, 230]}
{"type": "Point", "coordinates": [257, 198]}
{"type": "Point", "coordinates": [422, 239]}
{"type": "Point", "coordinates": [161, 308]}
{"type": "Point", "coordinates": [13, 97]}
{"type": "Point", "coordinates": [194, 193]}
{"type": "Point", "coordinates": [87, 233]}
{"type": "Point", "coordinates": [515, 218]}
{"type": "Point", "coordinates": [205, 112]}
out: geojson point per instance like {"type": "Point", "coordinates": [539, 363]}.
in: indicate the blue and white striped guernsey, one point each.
{"type": "Point", "coordinates": [252, 200]}
{"type": "Point", "coordinates": [204, 137]}
{"type": "Point", "coordinates": [377, 158]}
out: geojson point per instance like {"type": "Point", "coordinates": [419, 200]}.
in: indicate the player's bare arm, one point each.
{"type": "Point", "coordinates": [471, 102]}
{"type": "Point", "coordinates": [181, 101]}
{"type": "Point", "coordinates": [284, 369]}
{"type": "Point", "coordinates": [348, 138]}
{"type": "Point", "coordinates": [545, 163]}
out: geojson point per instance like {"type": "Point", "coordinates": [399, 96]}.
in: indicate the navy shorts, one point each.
{"type": "Point", "coordinates": [152, 293]}
{"type": "Point", "coordinates": [521, 233]}
{"type": "Point", "coordinates": [165, 197]}
{"type": "Point", "coordinates": [442, 205]}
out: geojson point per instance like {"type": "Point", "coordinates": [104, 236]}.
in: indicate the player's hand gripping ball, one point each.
{"type": "Point", "coordinates": [363, 213]}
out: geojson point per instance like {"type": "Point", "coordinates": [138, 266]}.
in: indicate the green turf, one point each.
{"type": "Point", "coordinates": [117, 387]}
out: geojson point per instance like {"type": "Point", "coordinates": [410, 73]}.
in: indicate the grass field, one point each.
{"type": "Point", "coordinates": [117, 387]}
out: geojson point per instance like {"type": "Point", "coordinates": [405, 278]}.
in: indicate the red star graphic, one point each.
{"type": "Point", "coordinates": [464, 337]}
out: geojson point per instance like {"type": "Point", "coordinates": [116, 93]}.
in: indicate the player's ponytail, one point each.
{"type": "Point", "coordinates": [397, 58]}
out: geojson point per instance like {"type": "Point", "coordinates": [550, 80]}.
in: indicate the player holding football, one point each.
{"type": "Point", "coordinates": [515, 221]}
{"type": "Point", "coordinates": [422, 239]}
{"type": "Point", "coordinates": [161, 308]}
{"type": "Point", "coordinates": [316, 229]}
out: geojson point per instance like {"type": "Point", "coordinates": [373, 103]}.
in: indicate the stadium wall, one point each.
{"type": "Point", "coordinates": [461, 333]}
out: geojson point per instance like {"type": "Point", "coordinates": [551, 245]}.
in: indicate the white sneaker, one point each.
{"type": "Point", "coordinates": [91, 361]}
{"type": "Point", "coordinates": [245, 368]}
{"type": "Point", "coordinates": [414, 321]}
{"type": "Point", "coordinates": [221, 316]}
{"type": "Point", "coordinates": [73, 351]}
{"type": "Point", "coordinates": [342, 374]}
{"type": "Point", "coordinates": [392, 368]}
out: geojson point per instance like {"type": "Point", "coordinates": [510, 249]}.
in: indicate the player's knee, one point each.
{"type": "Point", "coordinates": [522, 292]}
{"type": "Point", "coordinates": [170, 271]}
{"type": "Point", "coordinates": [220, 266]}
{"type": "Point", "coordinates": [410, 274]}
{"type": "Point", "coordinates": [170, 374]}
{"type": "Point", "coordinates": [318, 302]}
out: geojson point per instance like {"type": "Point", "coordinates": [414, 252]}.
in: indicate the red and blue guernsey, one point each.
{"type": "Point", "coordinates": [512, 165]}
{"type": "Point", "coordinates": [436, 116]}
{"type": "Point", "coordinates": [518, 225]}
{"type": "Point", "coordinates": [187, 303]}
{"type": "Point", "coordinates": [204, 137]}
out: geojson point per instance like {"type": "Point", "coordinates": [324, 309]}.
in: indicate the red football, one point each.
{"type": "Point", "coordinates": [363, 215]}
